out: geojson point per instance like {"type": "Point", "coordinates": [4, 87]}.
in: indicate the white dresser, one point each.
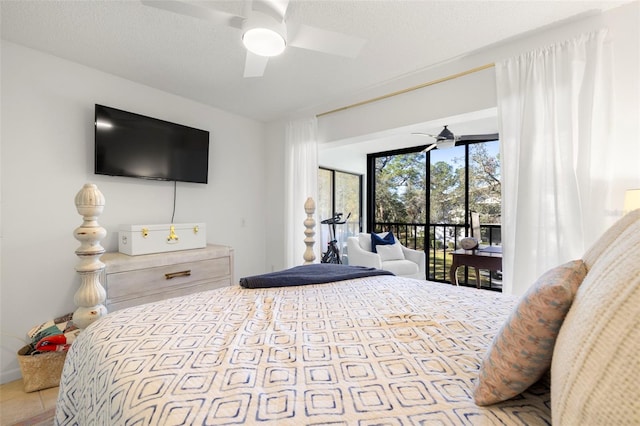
{"type": "Point", "coordinates": [134, 280]}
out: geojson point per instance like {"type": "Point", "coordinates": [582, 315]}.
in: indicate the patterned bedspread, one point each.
{"type": "Point", "coordinates": [380, 350]}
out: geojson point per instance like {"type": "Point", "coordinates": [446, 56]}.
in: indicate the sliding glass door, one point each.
{"type": "Point", "coordinates": [425, 198]}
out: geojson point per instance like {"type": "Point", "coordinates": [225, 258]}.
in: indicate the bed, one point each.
{"type": "Point", "coordinates": [380, 350]}
{"type": "Point", "coordinates": [377, 350]}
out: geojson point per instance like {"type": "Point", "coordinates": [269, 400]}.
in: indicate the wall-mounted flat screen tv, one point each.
{"type": "Point", "coordinates": [133, 145]}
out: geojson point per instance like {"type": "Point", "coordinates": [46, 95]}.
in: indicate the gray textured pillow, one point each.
{"type": "Point", "coordinates": [521, 351]}
{"type": "Point", "coordinates": [595, 369]}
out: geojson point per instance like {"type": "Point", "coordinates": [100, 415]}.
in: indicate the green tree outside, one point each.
{"type": "Point", "coordinates": [401, 187]}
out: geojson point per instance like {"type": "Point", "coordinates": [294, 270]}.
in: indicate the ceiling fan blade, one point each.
{"type": "Point", "coordinates": [429, 147]}
{"type": "Point", "coordinates": [255, 65]}
{"type": "Point", "coordinates": [275, 8]}
{"type": "Point", "coordinates": [333, 43]}
{"type": "Point", "coordinates": [247, 6]}
{"type": "Point", "coordinates": [197, 10]}
{"type": "Point", "coordinates": [479, 138]}
{"type": "Point", "coordinates": [281, 6]}
{"type": "Point", "coordinates": [425, 134]}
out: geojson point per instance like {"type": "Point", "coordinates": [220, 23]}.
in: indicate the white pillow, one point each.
{"type": "Point", "coordinates": [390, 252]}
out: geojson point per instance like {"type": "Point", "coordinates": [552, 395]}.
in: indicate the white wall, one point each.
{"type": "Point", "coordinates": [477, 92]}
{"type": "Point", "coordinates": [47, 155]}
{"type": "Point", "coordinates": [274, 206]}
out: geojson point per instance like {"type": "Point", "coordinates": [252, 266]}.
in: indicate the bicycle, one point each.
{"type": "Point", "coordinates": [332, 255]}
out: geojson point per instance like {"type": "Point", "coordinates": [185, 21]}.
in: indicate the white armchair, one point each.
{"type": "Point", "coordinates": [410, 263]}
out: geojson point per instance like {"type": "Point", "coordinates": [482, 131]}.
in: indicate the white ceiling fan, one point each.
{"type": "Point", "coordinates": [265, 32]}
{"type": "Point", "coordinates": [446, 139]}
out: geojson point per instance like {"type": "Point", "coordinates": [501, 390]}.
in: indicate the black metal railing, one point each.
{"type": "Point", "coordinates": [443, 239]}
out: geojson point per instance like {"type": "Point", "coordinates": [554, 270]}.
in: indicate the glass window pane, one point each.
{"type": "Point", "coordinates": [448, 185]}
{"type": "Point", "coordinates": [324, 206]}
{"type": "Point", "coordinates": [400, 189]}
{"type": "Point", "coordinates": [485, 188]}
{"type": "Point", "coordinates": [447, 208]}
{"type": "Point", "coordinates": [348, 201]}
{"type": "Point", "coordinates": [343, 189]}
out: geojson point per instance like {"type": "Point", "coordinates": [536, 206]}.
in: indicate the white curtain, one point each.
{"type": "Point", "coordinates": [301, 180]}
{"type": "Point", "coordinates": [554, 112]}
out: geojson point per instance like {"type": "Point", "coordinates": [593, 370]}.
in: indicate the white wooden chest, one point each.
{"type": "Point", "coordinates": [145, 239]}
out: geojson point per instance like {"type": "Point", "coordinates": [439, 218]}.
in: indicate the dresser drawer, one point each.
{"type": "Point", "coordinates": [189, 288]}
{"type": "Point", "coordinates": [134, 280]}
{"type": "Point", "coordinates": [163, 278]}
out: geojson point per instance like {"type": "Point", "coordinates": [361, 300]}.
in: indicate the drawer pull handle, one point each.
{"type": "Point", "coordinates": [177, 274]}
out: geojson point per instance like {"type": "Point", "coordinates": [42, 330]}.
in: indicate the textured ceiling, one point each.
{"type": "Point", "coordinates": [199, 60]}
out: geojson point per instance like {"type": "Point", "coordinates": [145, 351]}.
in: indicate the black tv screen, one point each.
{"type": "Point", "coordinates": [133, 145]}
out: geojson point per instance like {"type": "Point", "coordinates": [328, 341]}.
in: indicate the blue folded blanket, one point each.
{"type": "Point", "coordinates": [316, 273]}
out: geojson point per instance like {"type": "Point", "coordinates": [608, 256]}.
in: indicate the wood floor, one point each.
{"type": "Point", "coordinates": [16, 405]}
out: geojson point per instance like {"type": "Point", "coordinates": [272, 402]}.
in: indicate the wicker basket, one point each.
{"type": "Point", "coordinates": [40, 371]}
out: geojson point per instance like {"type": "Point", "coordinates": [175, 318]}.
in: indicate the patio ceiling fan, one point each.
{"type": "Point", "coordinates": [446, 139]}
{"type": "Point", "coordinates": [265, 32]}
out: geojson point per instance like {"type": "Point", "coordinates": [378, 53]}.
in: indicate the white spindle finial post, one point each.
{"type": "Point", "coordinates": [309, 232]}
{"type": "Point", "coordinates": [91, 295]}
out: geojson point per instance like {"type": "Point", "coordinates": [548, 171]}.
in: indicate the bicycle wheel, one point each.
{"type": "Point", "coordinates": [335, 254]}
{"type": "Point", "coordinates": [327, 257]}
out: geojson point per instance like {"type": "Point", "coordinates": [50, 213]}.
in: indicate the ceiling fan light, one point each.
{"type": "Point", "coordinates": [446, 143]}
{"type": "Point", "coordinates": [264, 35]}
{"type": "Point", "coordinates": [263, 42]}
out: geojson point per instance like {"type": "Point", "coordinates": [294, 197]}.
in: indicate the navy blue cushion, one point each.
{"type": "Point", "coordinates": [378, 240]}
